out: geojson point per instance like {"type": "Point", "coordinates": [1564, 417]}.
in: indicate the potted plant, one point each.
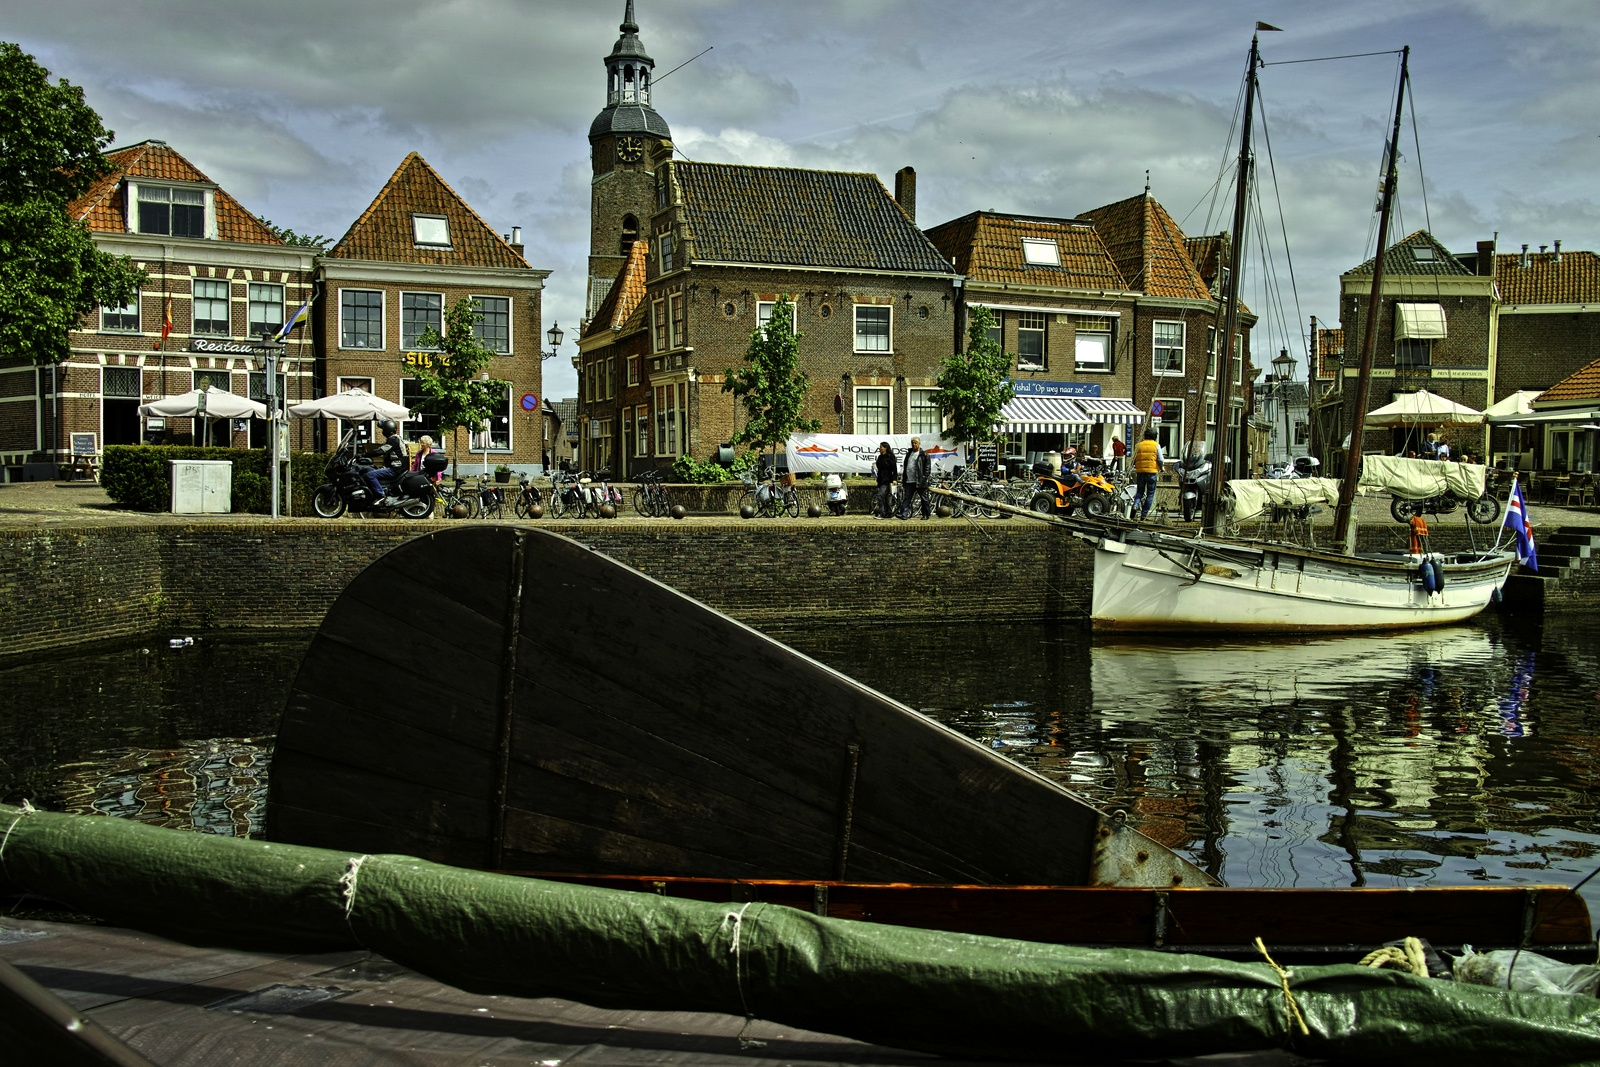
{"type": "Point", "coordinates": [502, 474]}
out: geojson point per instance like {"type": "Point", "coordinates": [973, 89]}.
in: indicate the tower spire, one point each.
{"type": "Point", "coordinates": [628, 23]}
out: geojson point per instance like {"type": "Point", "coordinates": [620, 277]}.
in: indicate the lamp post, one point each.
{"type": "Point", "coordinates": [555, 336]}
{"type": "Point", "coordinates": [268, 351]}
{"type": "Point", "coordinates": [1283, 366]}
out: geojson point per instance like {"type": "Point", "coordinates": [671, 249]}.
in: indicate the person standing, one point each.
{"type": "Point", "coordinates": [1118, 450]}
{"type": "Point", "coordinates": [425, 449]}
{"type": "Point", "coordinates": [1146, 469]}
{"type": "Point", "coordinates": [883, 469]}
{"type": "Point", "coordinates": [917, 474]}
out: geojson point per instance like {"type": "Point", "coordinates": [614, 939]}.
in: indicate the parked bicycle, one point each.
{"type": "Point", "coordinates": [650, 499]}
{"type": "Point", "coordinates": [966, 482]}
{"type": "Point", "coordinates": [769, 498]}
{"type": "Point", "coordinates": [566, 495]}
{"type": "Point", "coordinates": [456, 495]}
{"type": "Point", "coordinates": [491, 501]}
{"type": "Point", "coordinates": [528, 497]}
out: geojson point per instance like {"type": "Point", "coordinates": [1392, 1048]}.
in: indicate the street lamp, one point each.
{"type": "Point", "coordinates": [556, 336]}
{"type": "Point", "coordinates": [267, 351]}
{"type": "Point", "coordinates": [1283, 366]}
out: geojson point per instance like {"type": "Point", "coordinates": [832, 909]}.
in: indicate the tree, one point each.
{"type": "Point", "coordinates": [51, 273]}
{"type": "Point", "coordinates": [770, 384]}
{"type": "Point", "coordinates": [296, 240]}
{"type": "Point", "coordinates": [449, 377]}
{"type": "Point", "coordinates": [974, 385]}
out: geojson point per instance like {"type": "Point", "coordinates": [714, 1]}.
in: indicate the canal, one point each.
{"type": "Point", "coordinates": [1459, 756]}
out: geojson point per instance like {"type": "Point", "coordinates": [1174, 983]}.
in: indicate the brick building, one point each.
{"type": "Point", "coordinates": [213, 271]}
{"type": "Point", "coordinates": [417, 250]}
{"type": "Point", "coordinates": [1567, 418]}
{"type": "Point", "coordinates": [1060, 307]}
{"type": "Point", "coordinates": [613, 386]}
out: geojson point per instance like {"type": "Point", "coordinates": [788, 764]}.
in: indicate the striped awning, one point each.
{"type": "Point", "coordinates": [1044, 414]}
{"type": "Point", "coordinates": [1110, 410]}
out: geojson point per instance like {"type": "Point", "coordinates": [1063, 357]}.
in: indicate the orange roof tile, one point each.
{"type": "Point", "coordinates": [1330, 352]}
{"type": "Point", "coordinates": [384, 231]}
{"type": "Point", "coordinates": [1148, 248]}
{"type": "Point", "coordinates": [1582, 385]}
{"type": "Point", "coordinates": [626, 296]}
{"type": "Point", "coordinates": [1206, 254]}
{"type": "Point", "coordinates": [104, 207]}
{"type": "Point", "coordinates": [988, 247]}
{"type": "Point", "coordinates": [1575, 280]}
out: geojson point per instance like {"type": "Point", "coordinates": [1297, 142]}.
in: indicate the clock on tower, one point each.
{"type": "Point", "coordinates": [630, 148]}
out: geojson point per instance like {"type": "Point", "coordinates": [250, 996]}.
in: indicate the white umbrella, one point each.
{"type": "Point", "coordinates": [1512, 408]}
{"type": "Point", "coordinates": [1423, 408]}
{"type": "Point", "coordinates": [355, 405]}
{"type": "Point", "coordinates": [219, 405]}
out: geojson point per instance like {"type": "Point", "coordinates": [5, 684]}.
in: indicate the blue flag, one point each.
{"type": "Point", "coordinates": [302, 315]}
{"type": "Point", "coordinates": [1521, 524]}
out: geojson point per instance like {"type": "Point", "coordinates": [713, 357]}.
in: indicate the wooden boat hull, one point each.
{"type": "Point", "coordinates": [1157, 582]}
{"type": "Point", "coordinates": [505, 697]}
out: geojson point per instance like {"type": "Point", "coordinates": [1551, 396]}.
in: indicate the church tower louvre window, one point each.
{"type": "Point", "coordinates": [623, 140]}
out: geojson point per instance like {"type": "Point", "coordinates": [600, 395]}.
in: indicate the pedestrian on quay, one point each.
{"type": "Point", "coordinates": [917, 475]}
{"type": "Point", "coordinates": [1119, 449]}
{"type": "Point", "coordinates": [883, 470]}
{"type": "Point", "coordinates": [424, 449]}
{"type": "Point", "coordinates": [1146, 469]}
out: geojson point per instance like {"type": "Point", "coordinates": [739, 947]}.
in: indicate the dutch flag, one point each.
{"type": "Point", "coordinates": [1518, 520]}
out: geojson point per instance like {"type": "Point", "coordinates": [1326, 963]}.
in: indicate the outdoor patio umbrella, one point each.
{"type": "Point", "coordinates": [1423, 408]}
{"type": "Point", "coordinates": [355, 405]}
{"type": "Point", "coordinates": [1513, 408]}
{"type": "Point", "coordinates": [219, 405]}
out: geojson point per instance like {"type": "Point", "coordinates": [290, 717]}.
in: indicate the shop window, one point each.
{"type": "Point", "coordinates": [498, 438]}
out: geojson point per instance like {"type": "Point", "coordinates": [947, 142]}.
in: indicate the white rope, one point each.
{"type": "Point", "coordinates": [27, 809]}
{"type": "Point", "coordinates": [348, 880]}
{"type": "Point", "coordinates": [734, 950]}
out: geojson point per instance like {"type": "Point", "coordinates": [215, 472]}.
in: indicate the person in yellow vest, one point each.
{"type": "Point", "coordinates": [1147, 460]}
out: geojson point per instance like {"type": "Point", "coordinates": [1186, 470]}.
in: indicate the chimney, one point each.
{"type": "Point", "coordinates": [1558, 251]}
{"type": "Point", "coordinates": [516, 240]}
{"type": "Point", "coordinates": [905, 191]}
{"type": "Point", "coordinates": [1542, 248]}
{"type": "Point", "coordinates": [1485, 265]}
{"type": "Point", "coordinates": [1524, 255]}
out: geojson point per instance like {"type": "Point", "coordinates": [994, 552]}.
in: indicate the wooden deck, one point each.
{"type": "Point", "coordinates": [180, 1006]}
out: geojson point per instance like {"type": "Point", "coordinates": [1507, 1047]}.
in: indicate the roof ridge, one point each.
{"type": "Point", "coordinates": [771, 166]}
{"type": "Point", "coordinates": [390, 187]}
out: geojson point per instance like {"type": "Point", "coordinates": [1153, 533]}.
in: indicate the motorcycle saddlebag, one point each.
{"type": "Point", "coordinates": [412, 483]}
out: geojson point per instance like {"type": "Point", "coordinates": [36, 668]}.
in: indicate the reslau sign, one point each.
{"type": "Point", "coordinates": [1037, 388]}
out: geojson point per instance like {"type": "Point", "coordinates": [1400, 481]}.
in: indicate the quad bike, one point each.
{"type": "Point", "coordinates": [1069, 491]}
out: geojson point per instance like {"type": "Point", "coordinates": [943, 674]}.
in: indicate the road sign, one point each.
{"type": "Point", "coordinates": [530, 402]}
{"type": "Point", "coordinates": [1156, 409]}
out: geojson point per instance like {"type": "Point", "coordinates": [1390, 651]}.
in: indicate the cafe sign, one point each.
{"type": "Point", "coordinates": [222, 348]}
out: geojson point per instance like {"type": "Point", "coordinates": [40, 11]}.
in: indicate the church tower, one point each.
{"type": "Point", "coordinates": [622, 140]}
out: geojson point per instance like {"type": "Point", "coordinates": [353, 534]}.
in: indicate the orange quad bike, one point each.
{"type": "Point", "coordinates": [1069, 492]}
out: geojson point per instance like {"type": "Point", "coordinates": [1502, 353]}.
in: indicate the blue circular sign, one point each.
{"type": "Point", "coordinates": [530, 402]}
{"type": "Point", "coordinates": [1156, 409]}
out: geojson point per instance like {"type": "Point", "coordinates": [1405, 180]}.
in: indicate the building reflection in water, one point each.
{"type": "Point", "coordinates": [216, 786]}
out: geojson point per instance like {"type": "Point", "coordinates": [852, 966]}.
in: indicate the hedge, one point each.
{"type": "Point", "coordinates": [139, 476]}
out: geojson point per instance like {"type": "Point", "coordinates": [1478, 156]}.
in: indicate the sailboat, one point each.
{"type": "Point", "coordinates": [1156, 581]}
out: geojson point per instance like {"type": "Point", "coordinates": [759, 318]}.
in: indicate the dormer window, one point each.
{"type": "Point", "coordinates": [170, 210]}
{"type": "Point", "coordinates": [1040, 253]}
{"type": "Point", "coordinates": [1422, 254]}
{"type": "Point", "coordinates": [431, 231]}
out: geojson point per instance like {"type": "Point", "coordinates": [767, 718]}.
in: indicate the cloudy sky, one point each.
{"type": "Point", "coordinates": [303, 108]}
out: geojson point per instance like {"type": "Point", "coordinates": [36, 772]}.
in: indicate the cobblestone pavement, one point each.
{"type": "Point", "coordinates": [79, 503]}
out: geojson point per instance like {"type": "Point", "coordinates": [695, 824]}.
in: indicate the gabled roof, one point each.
{"type": "Point", "coordinates": [626, 297]}
{"type": "Point", "coordinates": [803, 218]}
{"type": "Point", "coordinates": [1400, 259]}
{"type": "Point", "coordinates": [1575, 280]}
{"type": "Point", "coordinates": [104, 208]}
{"type": "Point", "coordinates": [1148, 248]}
{"type": "Point", "coordinates": [986, 246]}
{"type": "Point", "coordinates": [1582, 385]}
{"type": "Point", "coordinates": [384, 231]}
{"type": "Point", "coordinates": [1330, 351]}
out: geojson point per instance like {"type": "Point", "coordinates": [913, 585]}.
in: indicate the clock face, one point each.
{"type": "Point", "coordinates": [630, 149]}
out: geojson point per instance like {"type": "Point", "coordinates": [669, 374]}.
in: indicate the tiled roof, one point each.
{"type": "Point", "coordinates": [1583, 385]}
{"type": "Point", "coordinates": [104, 208]}
{"type": "Point", "coordinates": [384, 231]}
{"type": "Point", "coordinates": [626, 295]}
{"type": "Point", "coordinates": [988, 247]}
{"type": "Point", "coordinates": [1148, 248]}
{"type": "Point", "coordinates": [1575, 280]}
{"type": "Point", "coordinates": [1206, 254]}
{"type": "Point", "coordinates": [804, 218]}
{"type": "Point", "coordinates": [1399, 259]}
{"type": "Point", "coordinates": [1330, 351]}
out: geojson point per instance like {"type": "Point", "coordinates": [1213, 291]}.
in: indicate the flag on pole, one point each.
{"type": "Point", "coordinates": [300, 316]}
{"type": "Point", "coordinates": [166, 324]}
{"type": "Point", "coordinates": [1519, 522]}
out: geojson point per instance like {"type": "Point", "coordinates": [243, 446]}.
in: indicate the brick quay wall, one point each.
{"type": "Point", "coordinates": [92, 583]}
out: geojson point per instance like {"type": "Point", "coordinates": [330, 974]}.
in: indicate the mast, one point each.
{"type": "Point", "coordinates": [1230, 325]}
{"type": "Point", "coordinates": [1345, 528]}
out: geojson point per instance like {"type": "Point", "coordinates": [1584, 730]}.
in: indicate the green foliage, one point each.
{"type": "Point", "coordinates": [973, 385]}
{"type": "Point", "coordinates": [688, 470]}
{"type": "Point", "coordinates": [770, 385]}
{"type": "Point", "coordinates": [297, 240]}
{"type": "Point", "coordinates": [448, 380]}
{"type": "Point", "coordinates": [51, 274]}
{"type": "Point", "coordinates": [139, 476]}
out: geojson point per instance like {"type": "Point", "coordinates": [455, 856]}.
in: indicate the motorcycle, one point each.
{"type": "Point", "coordinates": [1064, 493]}
{"type": "Point", "coordinates": [1300, 467]}
{"type": "Point", "coordinates": [1194, 481]}
{"type": "Point", "coordinates": [347, 488]}
{"type": "Point", "coordinates": [1483, 510]}
{"type": "Point", "coordinates": [838, 495]}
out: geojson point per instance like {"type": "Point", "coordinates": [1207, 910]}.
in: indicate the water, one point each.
{"type": "Point", "coordinates": [1445, 757]}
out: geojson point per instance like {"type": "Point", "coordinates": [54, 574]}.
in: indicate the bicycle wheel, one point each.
{"type": "Point", "coordinates": [327, 502]}
{"type": "Point", "coordinates": [957, 506]}
{"type": "Point", "coordinates": [642, 502]}
{"type": "Point", "coordinates": [791, 502]}
{"type": "Point", "coordinates": [997, 495]}
{"type": "Point", "coordinates": [524, 505]}
{"type": "Point", "coordinates": [747, 499]}
{"type": "Point", "coordinates": [663, 506]}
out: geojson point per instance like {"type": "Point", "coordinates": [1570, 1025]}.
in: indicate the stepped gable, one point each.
{"type": "Point", "coordinates": [1148, 248]}
{"type": "Point", "coordinates": [1399, 258]}
{"type": "Point", "coordinates": [987, 246]}
{"type": "Point", "coordinates": [785, 216]}
{"type": "Point", "coordinates": [1582, 385]}
{"type": "Point", "coordinates": [104, 208]}
{"type": "Point", "coordinates": [1574, 280]}
{"type": "Point", "coordinates": [624, 304]}
{"type": "Point", "coordinates": [384, 231]}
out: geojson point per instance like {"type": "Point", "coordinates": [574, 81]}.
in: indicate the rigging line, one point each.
{"type": "Point", "coordinates": [680, 66]}
{"type": "Point", "coordinates": [1422, 183]}
{"type": "Point", "coordinates": [1223, 169]}
{"type": "Point", "coordinates": [1327, 59]}
{"type": "Point", "coordinates": [1272, 167]}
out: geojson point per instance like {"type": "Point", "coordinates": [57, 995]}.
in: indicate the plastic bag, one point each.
{"type": "Point", "coordinates": [1533, 973]}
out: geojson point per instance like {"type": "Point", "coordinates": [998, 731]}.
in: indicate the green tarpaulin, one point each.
{"type": "Point", "coordinates": [921, 989]}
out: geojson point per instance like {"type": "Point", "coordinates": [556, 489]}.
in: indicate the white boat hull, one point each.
{"type": "Point", "coordinates": [1156, 582]}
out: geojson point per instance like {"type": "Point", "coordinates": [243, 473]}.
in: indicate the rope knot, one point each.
{"type": "Point", "coordinates": [1291, 1010]}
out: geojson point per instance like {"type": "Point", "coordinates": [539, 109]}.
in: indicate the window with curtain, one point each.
{"type": "Point", "coordinates": [872, 327]}
{"type": "Point", "coordinates": [872, 411]}
{"type": "Point", "coordinates": [211, 317]}
{"type": "Point", "coordinates": [266, 308]}
{"type": "Point", "coordinates": [1166, 346]}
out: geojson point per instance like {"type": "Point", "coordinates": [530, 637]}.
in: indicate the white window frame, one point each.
{"type": "Point", "coordinates": [251, 302]}
{"type": "Point", "coordinates": [1043, 330]}
{"type": "Point", "coordinates": [633, 369]}
{"type": "Point", "coordinates": [418, 347]}
{"type": "Point", "coordinates": [194, 306]}
{"type": "Point", "coordinates": [1171, 448]}
{"type": "Point", "coordinates": [383, 320]}
{"type": "Point", "coordinates": [641, 436]}
{"type": "Point", "coordinates": [1182, 347]}
{"type": "Point", "coordinates": [888, 410]}
{"type": "Point", "coordinates": [510, 347]}
{"type": "Point", "coordinates": [1211, 353]}
{"type": "Point", "coordinates": [764, 314]}
{"type": "Point", "coordinates": [416, 231]}
{"type": "Point", "coordinates": [658, 325]}
{"type": "Point", "coordinates": [1238, 358]}
{"type": "Point", "coordinates": [676, 320]}
{"type": "Point", "coordinates": [1092, 366]}
{"type": "Point", "coordinates": [132, 307]}
{"type": "Point", "coordinates": [856, 327]}
{"type": "Point", "coordinates": [925, 409]}
{"type": "Point", "coordinates": [208, 225]}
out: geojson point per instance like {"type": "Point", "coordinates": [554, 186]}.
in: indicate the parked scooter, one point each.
{"type": "Point", "coordinates": [347, 490]}
{"type": "Point", "coordinates": [1066, 492]}
{"type": "Point", "coordinates": [1194, 481]}
{"type": "Point", "coordinates": [838, 495]}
